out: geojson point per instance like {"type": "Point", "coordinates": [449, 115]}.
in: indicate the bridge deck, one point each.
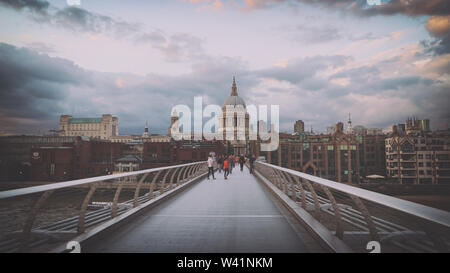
{"type": "Point", "coordinates": [234, 215]}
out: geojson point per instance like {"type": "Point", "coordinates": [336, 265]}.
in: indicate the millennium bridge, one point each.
{"type": "Point", "coordinates": [177, 209]}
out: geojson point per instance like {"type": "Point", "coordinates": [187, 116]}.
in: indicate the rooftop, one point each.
{"type": "Point", "coordinates": [85, 120]}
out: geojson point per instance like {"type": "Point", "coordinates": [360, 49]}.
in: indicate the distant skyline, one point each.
{"type": "Point", "coordinates": [318, 60]}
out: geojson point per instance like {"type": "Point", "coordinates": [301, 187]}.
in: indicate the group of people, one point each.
{"type": "Point", "coordinates": [227, 163]}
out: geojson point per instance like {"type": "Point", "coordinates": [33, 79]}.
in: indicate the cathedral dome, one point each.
{"type": "Point", "coordinates": [234, 99]}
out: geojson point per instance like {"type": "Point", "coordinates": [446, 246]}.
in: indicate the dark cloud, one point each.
{"type": "Point", "coordinates": [72, 18]}
{"type": "Point", "coordinates": [36, 89]}
{"type": "Point", "coordinates": [175, 48]}
{"type": "Point", "coordinates": [361, 7]}
{"type": "Point", "coordinates": [437, 46]}
{"type": "Point", "coordinates": [37, 6]}
{"type": "Point", "coordinates": [81, 20]}
{"type": "Point", "coordinates": [31, 85]}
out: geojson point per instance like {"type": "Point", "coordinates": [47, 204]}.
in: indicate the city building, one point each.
{"type": "Point", "coordinates": [418, 156]}
{"type": "Point", "coordinates": [349, 129]}
{"type": "Point", "coordinates": [333, 156]}
{"type": "Point", "coordinates": [372, 154]}
{"type": "Point", "coordinates": [145, 137]}
{"type": "Point", "coordinates": [299, 127]}
{"type": "Point", "coordinates": [234, 123]}
{"type": "Point", "coordinates": [103, 127]}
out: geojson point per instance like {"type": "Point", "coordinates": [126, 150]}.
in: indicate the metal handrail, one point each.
{"type": "Point", "coordinates": [84, 181]}
{"type": "Point", "coordinates": [434, 215]}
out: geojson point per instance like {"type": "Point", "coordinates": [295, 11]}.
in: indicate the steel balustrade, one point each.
{"type": "Point", "coordinates": [190, 171]}
{"type": "Point", "coordinates": [324, 197]}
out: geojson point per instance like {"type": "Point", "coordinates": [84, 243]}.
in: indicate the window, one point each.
{"type": "Point", "coordinates": [420, 156]}
{"type": "Point", "coordinates": [407, 147]}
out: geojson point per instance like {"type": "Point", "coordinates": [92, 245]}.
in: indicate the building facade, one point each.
{"type": "Point", "coordinates": [299, 127]}
{"type": "Point", "coordinates": [103, 127]}
{"type": "Point", "coordinates": [234, 123]}
{"type": "Point", "coordinates": [372, 154]}
{"type": "Point", "coordinates": [332, 156]}
{"type": "Point", "coordinates": [418, 156]}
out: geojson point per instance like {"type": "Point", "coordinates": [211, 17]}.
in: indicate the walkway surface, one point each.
{"type": "Point", "coordinates": [234, 215]}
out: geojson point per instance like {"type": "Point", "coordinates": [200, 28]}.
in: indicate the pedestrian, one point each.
{"type": "Point", "coordinates": [241, 162]}
{"type": "Point", "coordinates": [220, 163]}
{"type": "Point", "coordinates": [231, 163]}
{"type": "Point", "coordinates": [211, 167]}
{"type": "Point", "coordinates": [226, 168]}
{"type": "Point", "coordinates": [252, 163]}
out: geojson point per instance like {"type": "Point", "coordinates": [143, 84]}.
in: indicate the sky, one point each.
{"type": "Point", "coordinates": [381, 61]}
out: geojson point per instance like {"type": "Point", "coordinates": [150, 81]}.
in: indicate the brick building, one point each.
{"type": "Point", "coordinates": [418, 156]}
{"type": "Point", "coordinates": [333, 156]}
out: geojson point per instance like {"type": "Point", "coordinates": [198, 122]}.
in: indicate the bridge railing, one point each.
{"type": "Point", "coordinates": [41, 217]}
{"type": "Point", "coordinates": [362, 219]}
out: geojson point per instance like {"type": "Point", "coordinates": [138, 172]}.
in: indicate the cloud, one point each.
{"type": "Point", "coordinates": [35, 6]}
{"type": "Point", "coordinates": [81, 20]}
{"type": "Point", "coordinates": [259, 4]}
{"type": "Point", "coordinates": [41, 47]}
{"type": "Point", "coordinates": [315, 35]}
{"type": "Point", "coordinates": [36, 89]}
{"type": "Point", "coordinates": [177, 47]}
{"type": "Point", "coordinates": [362, 8]}
{"type": "Point", "coordinates": [299, 70]}
{"type": "Point", "coordinates": [32, 85]}
{"type": "Point", "coordinates": [321, 90]}
{"type": "Point", "coordinates": [439, 28]}
{"type": "Point", "coordinates": [181, 47]}
{"type": "Point", "coordinates": [72, 18]}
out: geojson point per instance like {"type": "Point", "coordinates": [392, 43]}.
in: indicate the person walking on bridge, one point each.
{"type": "Point", "coordinates": [252, 163]}
{"type": "Point", "coordinates": [226, 168]}
{"type": "Point", "coordinates": [211, 167]}
{"type": "Point", "coordinates": [220, 163]}
{"type": "Point", "coordinates": [230, 163]}
{"type": "Point", "coordinates": [241, 162]}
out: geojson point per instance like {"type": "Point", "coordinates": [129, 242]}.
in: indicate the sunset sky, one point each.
{"type": "Point", "coordinates": [318, 60]}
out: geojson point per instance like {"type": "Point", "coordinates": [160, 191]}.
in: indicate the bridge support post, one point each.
{"type": "Point", "coordinates": [302, 192]}
{"type": "Point", "coordinates": [316, 200]}
{"type": "Point", "coordinates": [116, 200]}
{"type": "Point", "coordinates": [173, 176]}
{"type": "Point", "coordinates": [186, 174]}
{"type": "Point", "coordinates": [284, 182]}
{"type": "Point", "coordinates": [179, 175]}
{"type": "Point", "coordinates": [152, 185]}
{"type": "Point", "coordinates": [293, 190]}
{"type": "Point", "coordinates": [138, 188]}
{"type": "Point", "coordinates": [337, 212]}
{"type": "Point", "coordinates": [32, 217]}
{"type": "Point", "coordinates": [82, 216]}
{"type": "Point", "coordinates": [162, 188]}
{"type": "Point", "coordinates": [369, 221]}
